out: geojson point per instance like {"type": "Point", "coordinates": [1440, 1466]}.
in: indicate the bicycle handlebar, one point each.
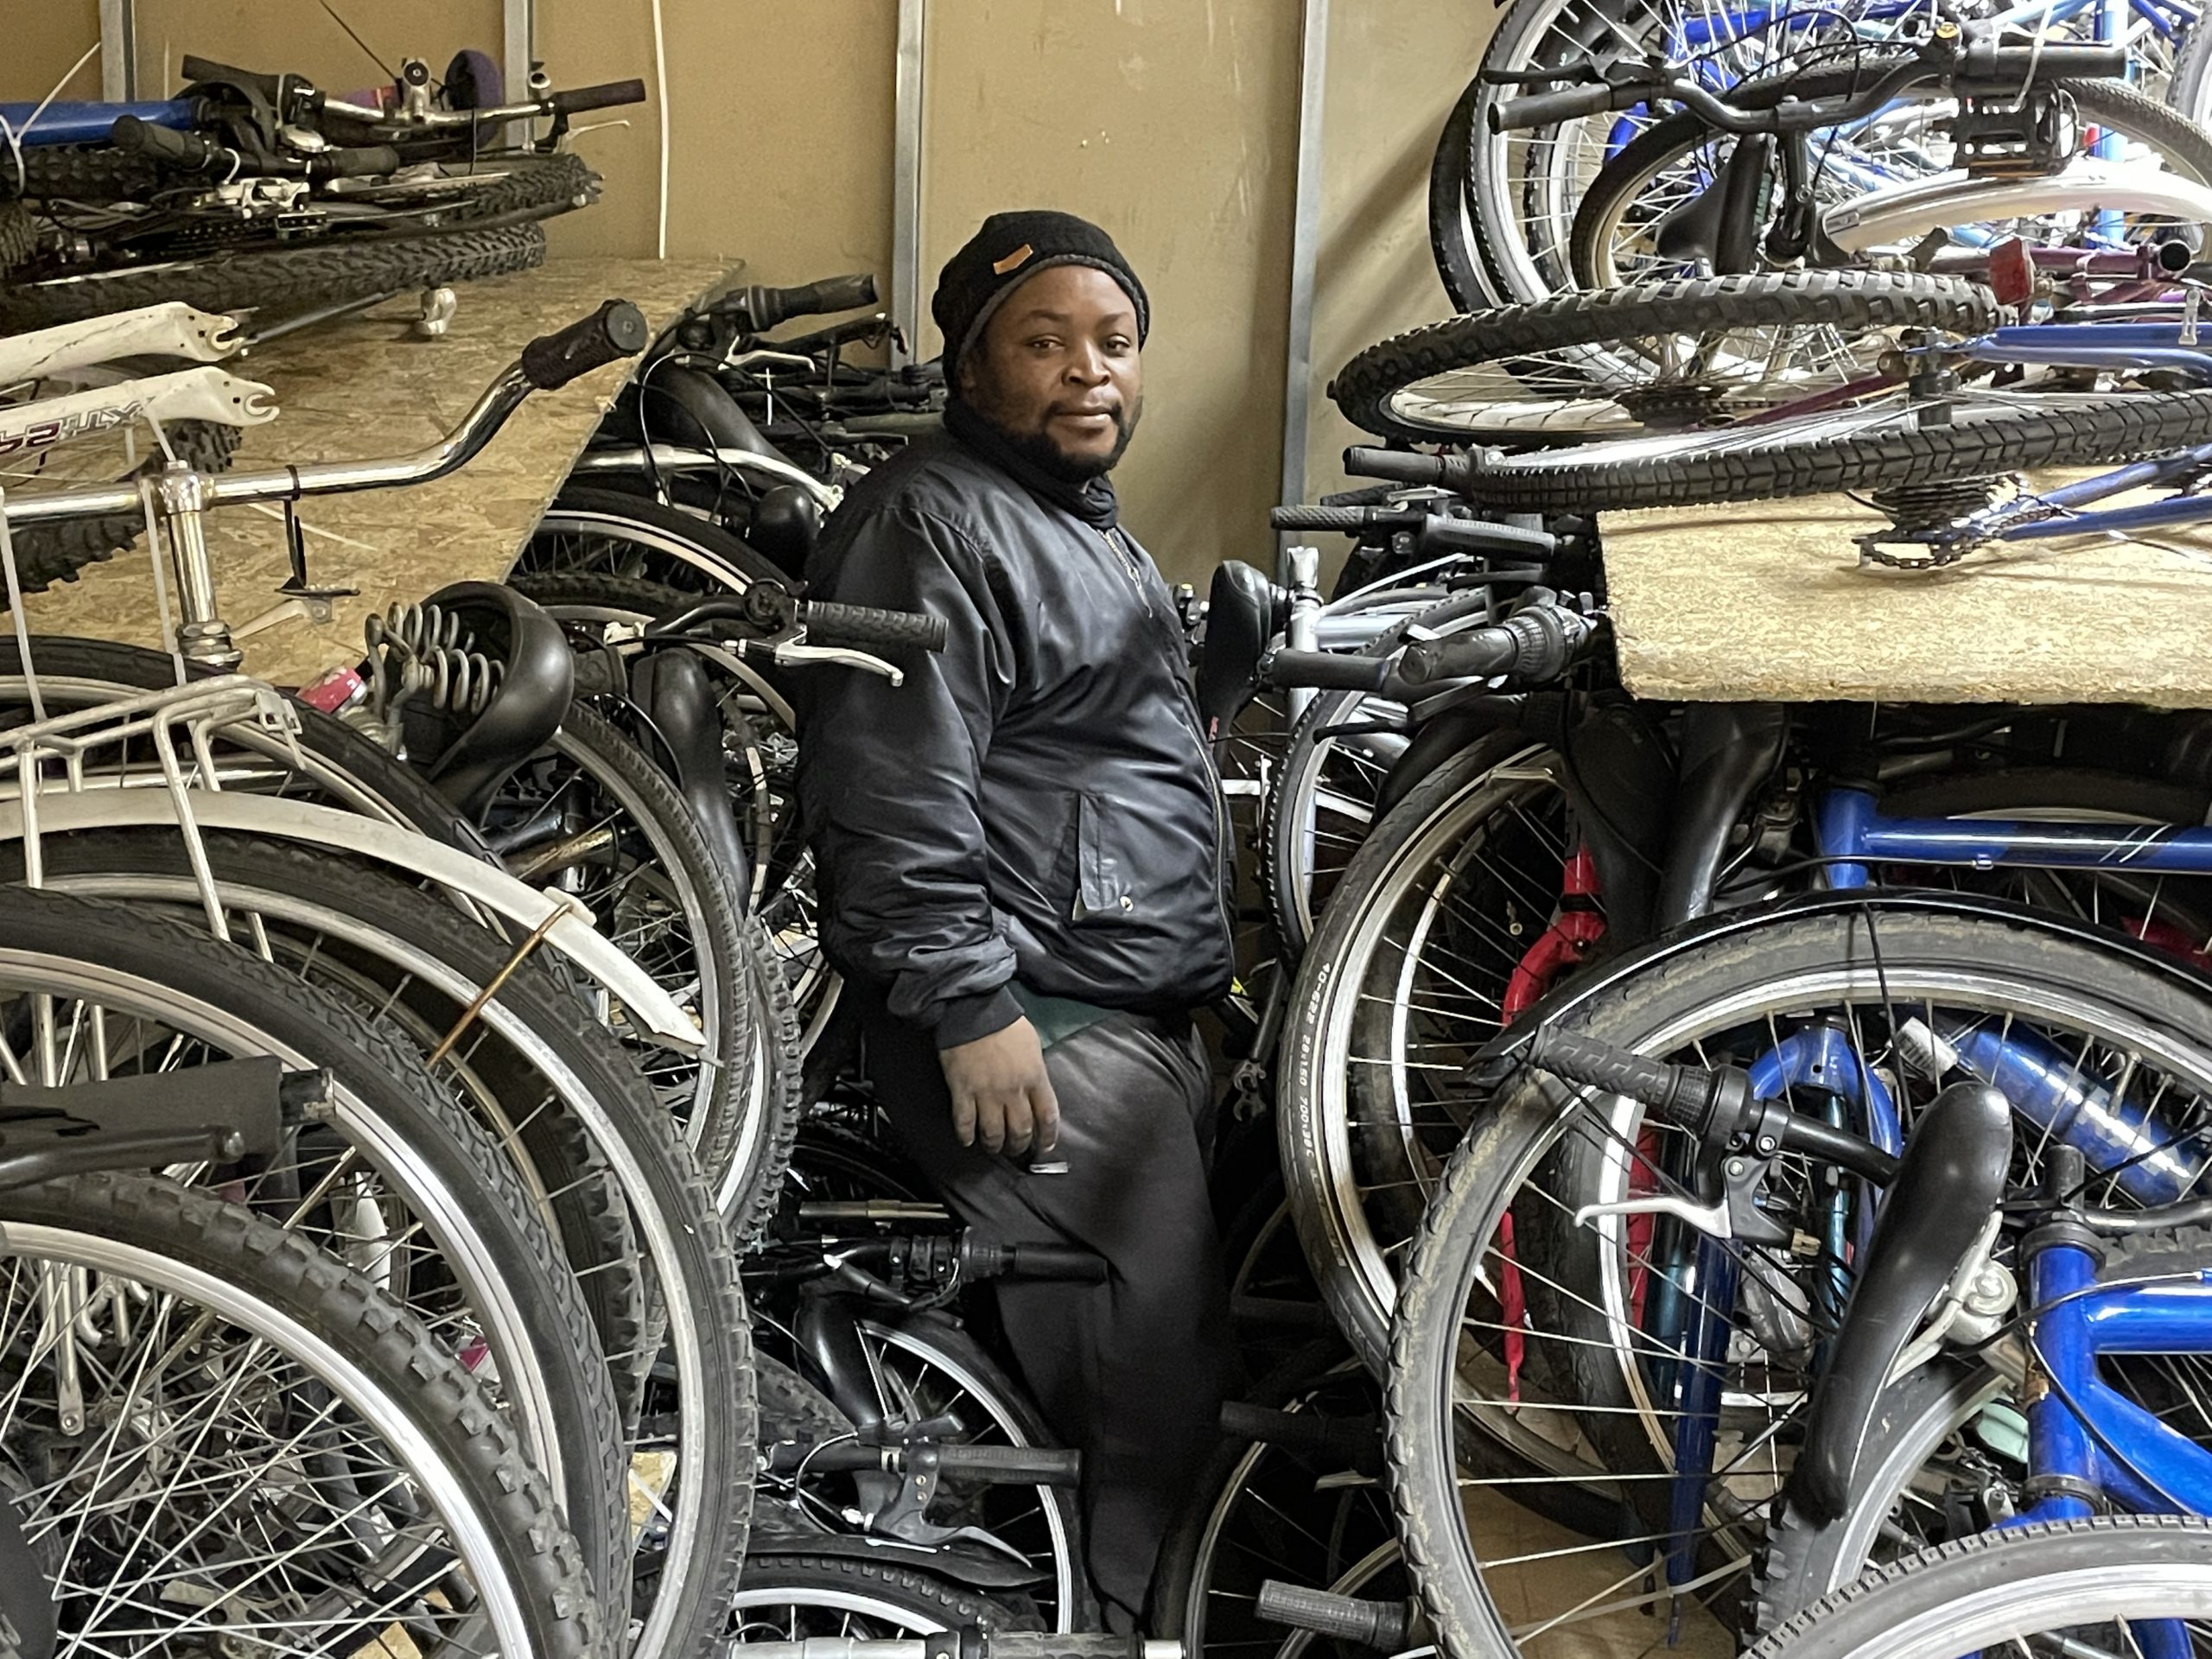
{"type": "Point", "coordinates": [1535, 644]}
{"type": "Point", "coordinates": [861, 626]}
{"type": "Point", "coordinates": [1379, 1624]}
{"type": "Point", "coordinates": [764, 307]}
{"type": "Point", "coordinates": [550, 361]}
{"type": "Point", "coordinates": [996, 1466]}
{"type": "Point", "coordinates": [1434, 531]}
{"type": "Point", "coordinates": [1403, 466]}
{"type": "Point", "coordinates": [971, 1642]}
{"type": "Point", "coordinates": [1715, 1103]}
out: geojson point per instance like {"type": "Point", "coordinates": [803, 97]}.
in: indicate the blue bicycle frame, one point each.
{"type": "Point", "coordinates": [1852, 833]}
{"type": "Point", "coordinates": [89, 124]}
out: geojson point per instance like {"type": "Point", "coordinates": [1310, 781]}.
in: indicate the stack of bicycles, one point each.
{"type": "Point", "coordinates": [259, 192]}
{"type": "Point", "coordinates": [1758, 1149]}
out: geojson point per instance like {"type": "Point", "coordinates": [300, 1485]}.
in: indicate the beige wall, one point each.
{"type": "Point", "coordinates": [1173, 123]}
{"type": "Point", "coordinates": [43, 41]}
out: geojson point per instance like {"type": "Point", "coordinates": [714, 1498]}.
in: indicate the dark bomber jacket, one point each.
{"type": "Point", "coordinates": [1035, 803]}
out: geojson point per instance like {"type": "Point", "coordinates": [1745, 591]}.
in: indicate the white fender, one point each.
{"type": "Point", "coordinates": [571, 933]}
{"type": "Point", "coordinates": [1905, 213]}
{"type": "Point", "coordinates": [170, 329]}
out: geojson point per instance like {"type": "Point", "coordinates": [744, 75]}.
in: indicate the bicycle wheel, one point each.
{"type": "Point", "coordinates": [921, 1367]}
{"type": "Point", "coordinates": [1506, 1291]}
{"type": "Point", "coordinates": [570, 1108]}
{"type": "Point", "coordinates": [1408, 977]}
{"type": "Point", "coordinates": [1670, 162]}
{"type": "Point", "coordinates": [593, 816]}
{"type": "Point", "coordinates": [1884, 445]}
{"type": "Point", "coordinates": [797, 1597]}
{"type": "Point", "coordinates": [2119, 1584]}
{"type": "Point", "coordinates": [1665, 355]}
{"type": "Point", "coordinates": [1312, 1516]}
{"type": "Point", "coordinates": [267, 1454]}
{"type": "Point", "coordinates": [608, 533]}
{"type": "Point", "coordinates": [760, 752]}
{"type": "Point", "coordinates": [274, 281]}
{"type": "Point", "coordinates": [394, 1180]}
{"type": "Point", "coordinates": [1320, 806]}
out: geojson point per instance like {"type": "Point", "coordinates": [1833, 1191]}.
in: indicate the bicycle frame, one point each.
{"type": "Point", "coordinates": [1852, 834]}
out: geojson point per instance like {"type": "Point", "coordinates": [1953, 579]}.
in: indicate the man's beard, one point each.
{"type": "Point", "coordinates": [1038, 448]}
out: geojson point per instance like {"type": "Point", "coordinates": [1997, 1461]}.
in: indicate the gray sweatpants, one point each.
{"type": "Point", "coordinates": [1130, 1372]}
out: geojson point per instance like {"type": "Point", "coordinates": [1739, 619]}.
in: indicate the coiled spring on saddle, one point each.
{"type": "Point", "coordinates": [422, 651]}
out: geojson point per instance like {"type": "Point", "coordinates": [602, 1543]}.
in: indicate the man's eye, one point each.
{"type": "Point", "coordinates": [1044, 343]}
{"type": "Point", "coordinates": [1120, 344]}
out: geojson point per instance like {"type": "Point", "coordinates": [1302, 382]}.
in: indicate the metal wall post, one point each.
{"type": "Point", "coordinates": [1305, 241]}
{"type": "Point", "coordinates": [118, 51]}
{"type": "Point", "coordinates": [906, 181]}
{"type": "Point", "coordinates": [519, 45]}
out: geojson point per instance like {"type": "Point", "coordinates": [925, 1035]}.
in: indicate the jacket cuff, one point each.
{"type": "Point", "coordinates": [965, 1019]}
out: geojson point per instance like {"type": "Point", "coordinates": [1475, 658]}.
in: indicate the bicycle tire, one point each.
{"type": "Point", "coordinates": [2110, 103]}
{"type": "Point", "coordinates": [275, 281]}
{"type": "Point", "coordinates": [565, 1173]}
{"type": "Point", "coordinates": [1785, 460]}
{"type": "Point", "coordinates": [1287, 875]}
{"type": "Point", "coordinates": [1363, 389]}
{"type": "Point", "coordinates": [18, 235]}
{"type": "Point", "coordinates": [921, 1604]}
{"type": "Point", "coordinates": [391, 1369]}
{"type": "Point", "coordinates": [664, 544]}
{"type": "Point", "coordinates": [78, 172]}
{"type": "Point", "coordinates": [1521, 1130]}
{"type": "Point", "coordinates": [1452, 232]}
{"type": "Point", "coordinates": [410, 1132]}
{"type": "Point", "coordinates": [46, 553]}
{"type": "Point", "coordinates": [2109, 1568]}
{"type": "Point", "coordinates": [751, 1104]}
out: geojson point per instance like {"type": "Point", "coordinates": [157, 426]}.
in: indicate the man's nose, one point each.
{"type": "Point", "coordinates": [1087, 366]}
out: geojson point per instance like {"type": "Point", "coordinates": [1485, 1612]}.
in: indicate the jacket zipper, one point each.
{"type": "Point", "coordinates": [1221, 864]}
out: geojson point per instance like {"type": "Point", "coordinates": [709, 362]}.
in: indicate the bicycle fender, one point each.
{"type": "Point", "coordinates": [569, 926]}
{"type": "Point", "coordinates": [1906, 211]}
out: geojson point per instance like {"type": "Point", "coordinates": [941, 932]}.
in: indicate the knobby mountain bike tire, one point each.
{"type": "Point", "coordinates": [1863, 450]}
{"type": "Point", "coordinates": [1997, 1592]}
{"type": "Point", "coordinates": [1806, 1561]}
{"type": "Point", "coordinates": [403, 1391]}
{"type": "Point", "coordinates": [46, 553]}
{"type": "Point", "coordinates": [1365, 388]}
{"type": "Point", "coordinates": [455, 1184]}
{"type": "Point", "coordinates": [277, 282]}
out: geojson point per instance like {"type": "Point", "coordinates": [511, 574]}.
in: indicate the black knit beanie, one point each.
{"type": "Point", "coordinates": [1007, 251]}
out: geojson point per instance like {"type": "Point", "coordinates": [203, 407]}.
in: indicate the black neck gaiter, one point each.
{"type": "Point", "coordinates": [1092, 500]}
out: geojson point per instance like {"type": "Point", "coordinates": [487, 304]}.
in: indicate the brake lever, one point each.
{"type": "Point", "coordinates": [788, 652]}
{"type": "Point", "coordinates": [1735, 1216]}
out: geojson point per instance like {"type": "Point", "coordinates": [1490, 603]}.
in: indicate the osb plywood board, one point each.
{"type": "Point", "coordinates": [1769, 602]}
{"type": "Point", "coordinates": [365, 386]}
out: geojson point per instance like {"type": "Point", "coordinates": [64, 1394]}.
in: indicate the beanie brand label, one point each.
{"type": "Point", "coordinates": [1013, 261]}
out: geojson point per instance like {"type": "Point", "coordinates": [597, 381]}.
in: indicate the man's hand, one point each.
{"type": "Point", "coordinates": [1001, 1091]}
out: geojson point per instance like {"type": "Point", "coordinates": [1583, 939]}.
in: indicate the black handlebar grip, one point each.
{"type": "Point", "coordinates": [1354, 1439]}
{"type": "Point", "coordinates": [167, 144]}
{"type": "Point", "coordinates": [1012, 1465]}
{"type": "Point", "coordinates": [1348, 520]}
{"type": "Point", "coordinates": [1062, 1261]}
{"type": "Point", "coordinates": [2011, 65]}
{"type": "Point", "coordinates": [1345, 1618]}
{"type": "Point", "coordinates": [1549, 109]}
{"type": "Point", "coordinates": [1444, 535]}
{"type": "Point", "coordinates": [833, 294]}
{"type": "Point", "coordinates": [1476, 654]}
{"type": "Point", "coordinates": [1451, 472]}
{"type": "Point", "coordinates": [606, 96]}
{"type": "Point", "coordinates": [1677, 1092]}
{"type": "Point", "coordinates": [863, 627]}
{"type": "Point", "coordinates": [615, 331]}
{"type": "Point", "coordinates": [366, 162]}
{"type": "Point", "coordinates": [1325, 670]}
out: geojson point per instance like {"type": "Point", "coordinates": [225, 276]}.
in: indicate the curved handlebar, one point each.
{"type": "Point", "coordinates": [549, 361]}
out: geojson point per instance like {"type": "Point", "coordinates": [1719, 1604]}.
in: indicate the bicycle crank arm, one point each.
{"type": "Point", "coordinates": [171, 329]}
{"type": "Point", "coordinates": [1905, 213]}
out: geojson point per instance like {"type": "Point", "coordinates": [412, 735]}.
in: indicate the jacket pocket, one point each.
{"type": "Point", "coordinates": [1106, 877]}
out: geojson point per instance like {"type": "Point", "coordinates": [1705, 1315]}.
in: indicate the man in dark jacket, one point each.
{"type": "Point", "coordinates": [1021, 856]}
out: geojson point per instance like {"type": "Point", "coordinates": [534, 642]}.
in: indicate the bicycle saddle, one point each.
{"type": "Point", "coordinates": [784, 522]}
{"type": "Point", "coordinates": [524, 676]}
{"type": "Point", "coordinates": [1244, 611]}
{"type": "Point", "coordinates": [689, 407]}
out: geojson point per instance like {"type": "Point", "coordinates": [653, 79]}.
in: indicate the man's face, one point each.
{"type": "Point", "coordinates": [1056, 370]}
